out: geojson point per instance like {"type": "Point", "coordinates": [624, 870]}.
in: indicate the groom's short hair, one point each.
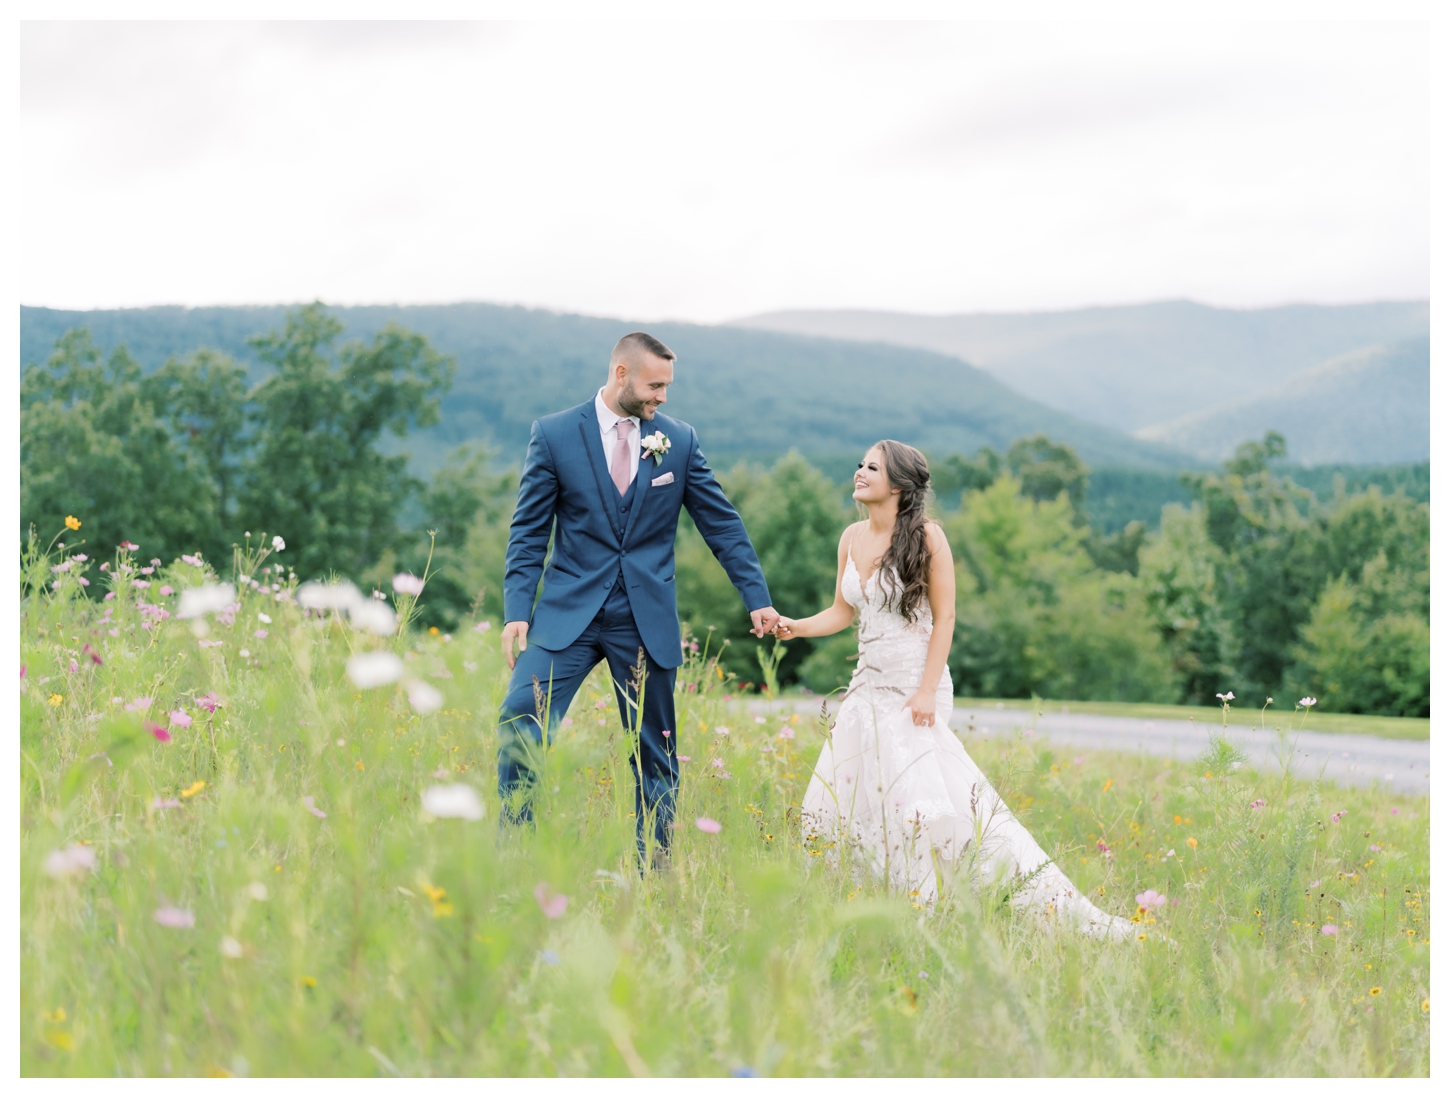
{"type": "Point", "coordinates": [630, 347]}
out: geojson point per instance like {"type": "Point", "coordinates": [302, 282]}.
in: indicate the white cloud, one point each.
{"type": "Point", "coordinates": [704, 171]}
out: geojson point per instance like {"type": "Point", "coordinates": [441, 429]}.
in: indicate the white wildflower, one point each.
{"type": "Point", "coordinates": [453, 802]}
{"type": "Point", "coordinates": [422, 697]}
{"type": "Point", "coordinates": [209, 598]}
{"type": "Point", "coordinates": [370, 669]}
{"type": "Point", "coordinates": [373, 617]}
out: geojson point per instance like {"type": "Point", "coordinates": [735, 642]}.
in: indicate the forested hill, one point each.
{"type": "Point", "coordinates": [751, 394]}
{"type": "Point", "coordinates": [1133, 367]}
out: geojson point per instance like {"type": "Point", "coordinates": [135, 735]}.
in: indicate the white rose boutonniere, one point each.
{"type": "Point", "coordinates": [656, 446]}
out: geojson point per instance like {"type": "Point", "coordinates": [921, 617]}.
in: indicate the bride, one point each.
{"type": "Point", "coordinates": [893, 783]}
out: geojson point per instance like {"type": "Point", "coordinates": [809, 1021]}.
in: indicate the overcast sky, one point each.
{"type": "Point", "coordinates": [705, 172]}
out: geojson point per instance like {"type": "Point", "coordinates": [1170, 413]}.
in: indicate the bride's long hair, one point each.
{"type": "Point", "coordinates": [907, 560]}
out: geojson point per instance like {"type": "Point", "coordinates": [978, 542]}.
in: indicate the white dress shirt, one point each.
{"type": "Point", "coordinates": [610, 437]}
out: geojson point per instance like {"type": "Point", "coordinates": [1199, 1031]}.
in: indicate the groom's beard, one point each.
{"type": "Point", "coordinates": [635, 405]}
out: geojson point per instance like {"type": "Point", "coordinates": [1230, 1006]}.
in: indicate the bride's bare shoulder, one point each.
{"type": "Point", "coordinates": [936, 538]}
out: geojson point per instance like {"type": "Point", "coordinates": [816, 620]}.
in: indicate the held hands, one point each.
{"type": "Point", "coordinates": [923, 707]}
{"type": "Point", "coordinates": [785, 628]}
{"type": "Point", "coordinates": [763, 621]}
{"type": "Point", "coordinates": [514, 630]}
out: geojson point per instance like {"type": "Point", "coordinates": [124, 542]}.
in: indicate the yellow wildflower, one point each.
{"type": "Point", "coordinates": [1425, 1005]}
{"type": "Point", "coordinates": [56, 1016]}
{"type": "Point", "coordinates": [56, 699]}
{"type": "Point", "coordinates": [359, 765]}
{"type": "Point", "coordinates": [1376, 991]}
{"type": "Point", "coordinates": [1193, 842]}
{"type": "Point", "coordinates": [1106, 784]}
{"type": "Point", "coordinates": [307, 981]}
{"type": "Point", "coordinates": [72, 523]}
{"type": "Point", "coordinates": [193, 789]}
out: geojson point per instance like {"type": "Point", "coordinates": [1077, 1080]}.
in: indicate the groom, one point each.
{"type": "Point", "coordinates": [608, 479]}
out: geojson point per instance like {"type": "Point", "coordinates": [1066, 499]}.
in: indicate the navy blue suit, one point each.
{"type": "Point", "coordinates": [609, 593]}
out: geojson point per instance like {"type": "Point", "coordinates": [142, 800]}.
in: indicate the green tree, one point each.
{"type": "Point", "coordinates": [317, 476]}
{"type": "Point", "coordinates": [94, 445]}
{"type": "Point", "coordinates": [1046, 469]}
{"type": "Point", "coordinates": [1033, 613]}
{"type": "Point", "coordinates": [203, 400]}
{"type": "Point", "coordinates": [795, 517]}
{"type": "Point", "coordinates": [1179, 579]}
{"type": "Point", "coordinates": [1366, 646]}
{"type": "Point", "coordinates": [466, 511]}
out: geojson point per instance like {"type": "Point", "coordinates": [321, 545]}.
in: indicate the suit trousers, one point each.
{"type": "Point", "coordinates": [543, 684]}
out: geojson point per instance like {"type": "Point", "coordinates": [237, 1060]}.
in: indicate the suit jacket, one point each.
{"type": "Point", "coordinates": [565, 489]}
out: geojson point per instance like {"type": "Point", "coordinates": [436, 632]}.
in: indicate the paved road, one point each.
{"type": "Point", "coordinates": [1401, 765]}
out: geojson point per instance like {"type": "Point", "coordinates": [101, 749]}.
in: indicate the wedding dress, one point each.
{"type": "Point", "coordinates": [907, 800]}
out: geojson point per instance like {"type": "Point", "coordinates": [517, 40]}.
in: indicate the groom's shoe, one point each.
{"type": "Point", "coordinates": [659, 861]}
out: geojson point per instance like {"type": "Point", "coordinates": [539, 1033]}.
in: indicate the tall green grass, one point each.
{"type": "Point", "coordinates": [375, 940]}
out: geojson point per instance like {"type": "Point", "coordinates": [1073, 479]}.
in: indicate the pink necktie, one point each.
{"type": "Point", "coordinates": [620, 471]}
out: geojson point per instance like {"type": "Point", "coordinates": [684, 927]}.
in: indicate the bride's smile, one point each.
{"type": "Point", "coordinates": [872, 485]}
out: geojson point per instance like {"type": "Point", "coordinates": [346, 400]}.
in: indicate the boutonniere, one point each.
{"type": "Point", "coordinates": [656, 445]}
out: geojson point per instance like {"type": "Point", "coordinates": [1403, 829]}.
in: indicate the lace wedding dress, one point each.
{"type": "Point", "coordinates": [907, 800]}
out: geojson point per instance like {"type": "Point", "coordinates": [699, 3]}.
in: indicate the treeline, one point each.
{"type": "Point", "coordinates": [1255, 585]}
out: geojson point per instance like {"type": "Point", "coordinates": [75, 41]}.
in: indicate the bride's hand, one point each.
{"type": "Point", "coordinates": [923, 707]}
{"type": "Point", "coordinates": [784, 629]}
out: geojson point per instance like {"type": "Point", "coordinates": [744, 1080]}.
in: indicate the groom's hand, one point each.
{"type": "Point", "coordinates": [763, 621]}
{"type": "Point", "coordinates": [514, 630]}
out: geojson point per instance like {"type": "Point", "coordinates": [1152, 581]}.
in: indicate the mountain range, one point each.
{"type": "Point", "coordinates": [1199, 378]}
{"type": "Point", "coordinates": [752, 394]}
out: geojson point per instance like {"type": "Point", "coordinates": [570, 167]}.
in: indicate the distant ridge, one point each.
{"type": "Point", "coordinates": [753, 395]}
{"type": "Point", "coordinates": [1371, 405]}
{"type": "Point", "coordinates": [1130, 367]}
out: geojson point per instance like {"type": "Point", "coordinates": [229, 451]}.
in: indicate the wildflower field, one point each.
{"type": "Point", "coordinates": [258, 836]}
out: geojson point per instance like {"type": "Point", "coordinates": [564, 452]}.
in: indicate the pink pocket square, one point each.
{"type": "Point", "coordinates": [667, 478]}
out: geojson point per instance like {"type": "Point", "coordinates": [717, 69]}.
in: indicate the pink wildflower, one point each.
{"type": "Point", "coordinates": [665, 733]}
{"type": "Point", "coordinates": [683, 758]}
{"type": "Point", "coordinates": [139, 705]}
{"type": "Point", "coordinates": [405, 583]}
{"type": "Point", "coordinates": [130, 546]}
{"type": "Point", "coordinates": [159, 732]}
{"type": "Point", "coordinates": [1260, 803]}
{"type": "Point", "coordinates": [74, 667]}
{"type": "Point", "coordinates": [708, 826]}
{"type": "Point", "coordinates": [551, 903]}
{"type": "Point", "coordinates": [1329, 930]}
{"type": "Point", "coordinates": [307, 804]}
{"type": "Point", "coordinates": [167, 589]}
{"type": "Point", "coordinates": [260, 634]}
{"type": "Point", "coordinates": [1150, 898]}
{"type": "Point", "coordinates": [209, 701]}
{"type": "Point", "coordinates": [170, 802]}
{"type": "Point", "coordinates": [181, 718]}
{"type": "Point", "coordinates": [177, 918]}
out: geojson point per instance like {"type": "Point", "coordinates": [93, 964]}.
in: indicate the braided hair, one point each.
{"type": "Point", "coordinates": [907, 560]}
